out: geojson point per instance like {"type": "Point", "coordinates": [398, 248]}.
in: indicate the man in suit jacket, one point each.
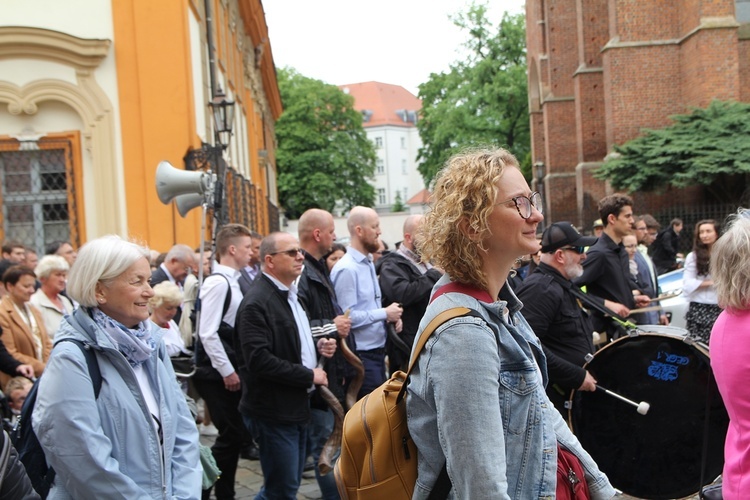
{"type": "Point", "coordinates": [250, 272]}
{"type": "Point", "coordinates": [179, 262]}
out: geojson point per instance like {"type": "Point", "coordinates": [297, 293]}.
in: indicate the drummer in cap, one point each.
{"type": "Point", "coordinates": [557, 317]}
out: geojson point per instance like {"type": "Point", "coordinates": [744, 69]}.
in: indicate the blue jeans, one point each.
{"type": "Point", "coordinates": [321, 426]}
{"type": "Point", "coordinates": [374, 363]}
{"type": "Point", "coordinates": [283, 450]}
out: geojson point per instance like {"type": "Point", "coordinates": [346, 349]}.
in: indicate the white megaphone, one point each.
{"type": "Point", "coordinates": [187, 202]}
{"type": "Point", "coordinates": [172, 182]}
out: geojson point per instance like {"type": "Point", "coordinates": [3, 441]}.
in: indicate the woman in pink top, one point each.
{"type": "Point", "coordinates": [730, 349]}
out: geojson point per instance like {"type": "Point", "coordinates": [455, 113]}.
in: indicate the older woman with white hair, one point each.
{"type": "Point", "coordinates": [167, 298]}
{"type": "Point", "coordinates": [52, 273]}
{"type": "Point", "coordinates": [137, 439]}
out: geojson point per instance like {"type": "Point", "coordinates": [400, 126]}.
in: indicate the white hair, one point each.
{"type": "Point", "coordinates": [101, 260]}
{"type": "Point", "coordinates": [166, 292]}
{"type": "Point", "coordinates": [50, 263]}
{"type": "Point", "coordinates": [180, 252]}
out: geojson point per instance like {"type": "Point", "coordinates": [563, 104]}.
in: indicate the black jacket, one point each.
{"type": "Point", "coordinates": [663, 250]}
{"type": "Point", "coordinates": [14, 483]}
{"type": "Point", "coordinates": [401, 281]}
{"type": "Point", "coordinates": [606, 275]}
{"type": "Point", "coordinates": [560, 323]}
{"type": "Point", "coordinates": [245, 281]}
{"type": "Point", "coordinates": [318, 297]}
{"type": "Point", "coordinates": [274, 381]}
{"type": "Point", "coordinates": [8, 363]}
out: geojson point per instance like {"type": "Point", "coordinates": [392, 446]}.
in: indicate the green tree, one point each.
{"type": "Point", "coordinates": [708, 147]}
{"type": "Point", "coordinates": [323, 156]}
{"type": "Point", "coordinates": [398, 203]}
{"type": "Point", "coordinates": [482, 100]}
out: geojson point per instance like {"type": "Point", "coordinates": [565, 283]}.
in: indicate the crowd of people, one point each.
{"type": "Point", "coordinates": [284, 329]}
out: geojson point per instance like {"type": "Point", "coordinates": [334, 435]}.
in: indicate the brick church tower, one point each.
{"type": "Point", "coordinates": [601, 71]}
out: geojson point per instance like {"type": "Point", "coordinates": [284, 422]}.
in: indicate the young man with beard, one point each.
{"type": "Point", "coordinates": [556, 315]}
{"type": "Point", "coordinates": [357, 290]}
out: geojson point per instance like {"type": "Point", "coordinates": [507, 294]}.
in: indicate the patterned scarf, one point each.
{"type": "Point", "coordinates": [135, 344]}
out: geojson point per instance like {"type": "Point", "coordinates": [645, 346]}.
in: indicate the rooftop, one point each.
{"type": "Point", "coordinates": [384, 104]}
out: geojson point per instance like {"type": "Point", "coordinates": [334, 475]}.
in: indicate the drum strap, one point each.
{"type": "Point", "coordinates": [583, 297]}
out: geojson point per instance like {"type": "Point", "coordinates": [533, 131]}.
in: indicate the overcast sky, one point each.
{"type": "Point", "coordinates": [351, 41]}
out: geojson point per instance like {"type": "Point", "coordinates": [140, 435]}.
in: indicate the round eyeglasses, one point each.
{"type": "Point", "coordinates": [524, 204]}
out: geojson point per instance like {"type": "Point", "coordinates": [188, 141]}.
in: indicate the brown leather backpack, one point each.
{"type": "Point", "coordinates": [378, 457]}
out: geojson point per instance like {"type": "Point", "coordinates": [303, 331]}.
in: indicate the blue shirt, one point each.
{"type": "Point", "coordinates": [357, 289]}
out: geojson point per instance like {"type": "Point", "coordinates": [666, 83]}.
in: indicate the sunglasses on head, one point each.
{"type": "Point", "coordinates": [578, 250]}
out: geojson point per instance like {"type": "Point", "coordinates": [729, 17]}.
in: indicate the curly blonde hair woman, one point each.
{"type": "Point", "coordinates": [476, 402]}
{"type": "Point", "coordinates": [464, 198]}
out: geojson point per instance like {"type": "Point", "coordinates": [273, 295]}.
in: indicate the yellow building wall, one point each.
{"type": "Point", "coordinates": [152, 52]}
{"type": "Point", "coordinates": [155, 87]}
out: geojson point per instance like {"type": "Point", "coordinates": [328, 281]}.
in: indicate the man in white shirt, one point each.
{"type": "Point", "coordinates": [216, 378]}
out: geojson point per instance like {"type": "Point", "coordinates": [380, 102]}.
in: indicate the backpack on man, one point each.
{"type": "Point", "coordinates": [30, 451]}
{"type": "Point", "coordinates": [378, 457]}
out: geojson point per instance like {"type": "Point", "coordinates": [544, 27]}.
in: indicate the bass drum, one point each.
{"type": "Point", "coordinates": [657, 455]}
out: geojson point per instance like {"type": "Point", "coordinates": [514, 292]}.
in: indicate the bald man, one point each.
{"type": "Point", "coordinates": [358, 291]}
{"type": "Point", "coordinates": [316, 294]}
{"type": "Point", "coordinates": [405, 279]}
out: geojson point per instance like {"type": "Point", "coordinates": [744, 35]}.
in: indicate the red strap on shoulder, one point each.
{"type": "Point", "coordinates": [471, 291]}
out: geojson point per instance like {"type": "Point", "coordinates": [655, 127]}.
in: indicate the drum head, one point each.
{"type": "Point", "coordinates": [657, 455]}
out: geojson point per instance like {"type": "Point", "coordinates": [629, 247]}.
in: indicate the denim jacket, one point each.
{"type": "Point", "coordinates": [476, 399]}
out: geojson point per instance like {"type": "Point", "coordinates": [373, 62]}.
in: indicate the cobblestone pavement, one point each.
{"type": "Point", "coordinates": [249, 479]}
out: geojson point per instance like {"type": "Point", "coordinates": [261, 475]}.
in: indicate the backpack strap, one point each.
{"type": "Point", "coordinates": [96, 379]}
{"type": "Point", "coordinates": [91, 362]}
{"type": "Point", "coordinates": [433, 325]}
{"type": "Point", "coordinates": [227, 297]}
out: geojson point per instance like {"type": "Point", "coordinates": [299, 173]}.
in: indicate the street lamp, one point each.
{"type": "Point", "coordinates": [222, 110]}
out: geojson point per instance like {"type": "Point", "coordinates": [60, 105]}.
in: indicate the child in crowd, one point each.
{"type": "Point", "coordinates": [15, 393]}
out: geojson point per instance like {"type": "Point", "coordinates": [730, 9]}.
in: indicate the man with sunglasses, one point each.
{"type": "Point", "coordinates": [279, 365]}
{"type": "Point", "coordinates": [555, 314]}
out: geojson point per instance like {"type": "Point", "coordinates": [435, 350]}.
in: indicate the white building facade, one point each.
{"type": "Point", "coordinates": [390, 114]}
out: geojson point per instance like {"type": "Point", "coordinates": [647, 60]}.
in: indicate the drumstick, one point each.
{"type": "Point", "coordinates": [346, 313]}
{"type": "Point", "coordinates": [642, 407]}
{"type": "Point", "coordinates": [664, 297]}
{"type": "Point", "coordinates": [645, 309]}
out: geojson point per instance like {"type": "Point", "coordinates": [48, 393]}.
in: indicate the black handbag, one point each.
{"type": "Point", "coordinates": [183, 365]}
